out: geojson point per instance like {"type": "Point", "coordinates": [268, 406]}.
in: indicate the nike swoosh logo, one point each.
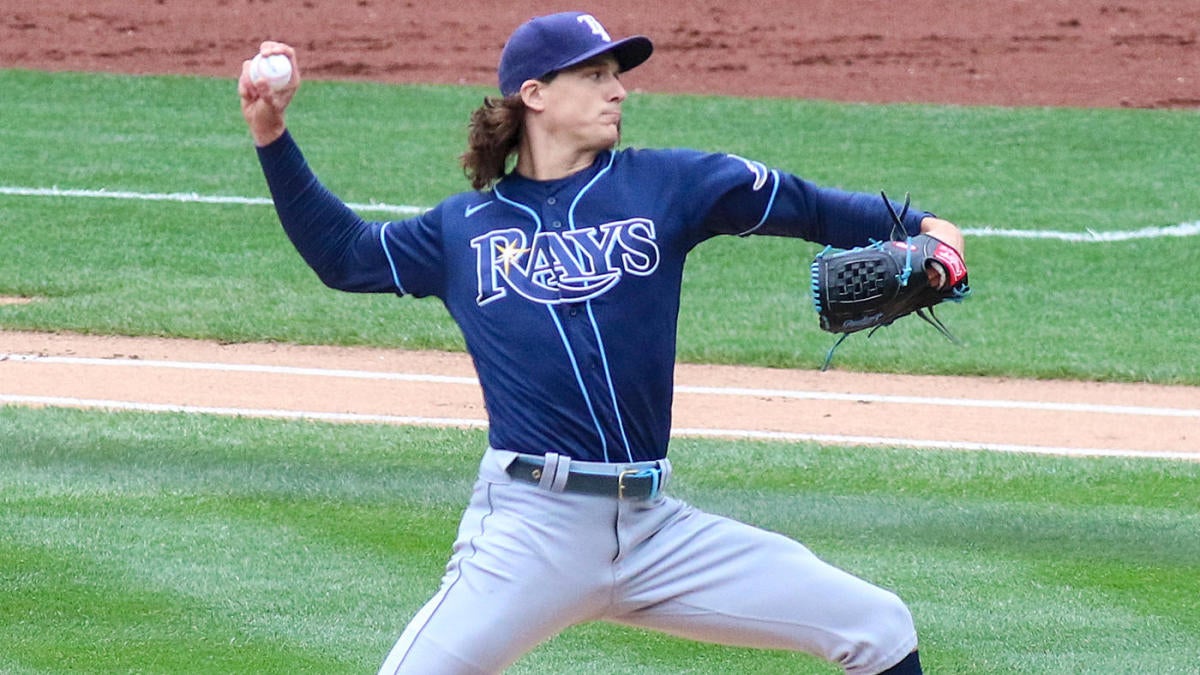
{"type": "Point", "coordinates": [472, 209]}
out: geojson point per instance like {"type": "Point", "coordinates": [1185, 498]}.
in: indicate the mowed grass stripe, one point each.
{"type": "Point", "coordinates": [132, 538]}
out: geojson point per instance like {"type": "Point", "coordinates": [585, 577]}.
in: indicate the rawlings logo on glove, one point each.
{"type": "Point", "coordinates": [872, 286]}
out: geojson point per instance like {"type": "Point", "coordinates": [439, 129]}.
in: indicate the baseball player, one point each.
{"type": "Point", "coordinates": [563, 272]}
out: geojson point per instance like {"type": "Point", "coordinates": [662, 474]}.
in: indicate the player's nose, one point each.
{"type": "Point", "coordinates": [618, 93]}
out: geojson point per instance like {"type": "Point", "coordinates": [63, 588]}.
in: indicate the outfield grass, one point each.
{"type": "Point", "coordinates": [175, 544]}
{"type": "Point", "coordinates": [1104, 311]}
{"type": "Point", "coordinates": [178, 544]}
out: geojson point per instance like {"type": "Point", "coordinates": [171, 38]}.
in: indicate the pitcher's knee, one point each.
{"type": "Point", "coordinates": [884, 637]}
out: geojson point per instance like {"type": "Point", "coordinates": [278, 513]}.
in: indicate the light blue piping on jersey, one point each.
{"type": "Point", "coordinates": [562, 334]}
{"type": "Point", "coordinates": [391, 263]}
{"type": "Point", "coordinates": [612, 390]}
{"type": "Point", "coordinates": [770, 204]}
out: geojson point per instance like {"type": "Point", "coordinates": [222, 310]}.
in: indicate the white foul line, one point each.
{"type": "Point", "coordinates": [794, 394]}
{"type": "Point", "coordinates": [188, 198]}
{"type": "Point", "coordinates": [1008, 404]}
{"type": "Point", "coordinates": [238, 368]}
{"type": "Point", "coordinates": [138, 406]}
{"type": "Point", "coordinates": [932, 445]}
{"type": "Point", "coordinates": [1181, 230]}
{"type": "Point", "coordinates": [742, 434]}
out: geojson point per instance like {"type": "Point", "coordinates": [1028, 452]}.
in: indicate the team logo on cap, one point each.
{"type": "Point", "coordinates": [557, 267]}
{"type": "Point", "coordinates": [593, 24]}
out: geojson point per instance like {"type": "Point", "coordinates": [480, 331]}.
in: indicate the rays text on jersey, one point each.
{"type": "Point", "coordinates": [570, 266]}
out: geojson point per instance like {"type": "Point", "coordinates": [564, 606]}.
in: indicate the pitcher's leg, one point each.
{"type": "Point", "coordinates": [526, 564]}
{"type": "Point", "coordinates": [710, 578]}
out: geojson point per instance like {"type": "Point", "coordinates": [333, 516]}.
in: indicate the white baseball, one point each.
{"type": "Point", "coordinates": [276, 69]}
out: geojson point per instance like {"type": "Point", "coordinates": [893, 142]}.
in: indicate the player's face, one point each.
{"type": "Point", "coordinates": [584, 104]}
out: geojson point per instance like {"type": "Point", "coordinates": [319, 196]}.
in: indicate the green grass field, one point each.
{"type": "Point", "coordinates": [1108, 311]}
{"type": "Point", "coordinates": [173, 543]}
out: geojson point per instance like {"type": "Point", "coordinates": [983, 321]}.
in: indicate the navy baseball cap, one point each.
{"type": "Point", "coordinates": [554, 42]}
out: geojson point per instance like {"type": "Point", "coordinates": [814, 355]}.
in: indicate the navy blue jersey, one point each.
{"type": "Point", "coordinates": [567, 291]}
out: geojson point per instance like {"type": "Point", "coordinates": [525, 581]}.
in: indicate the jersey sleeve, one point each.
{"type": "Point", "coordinates": [415, 253]}
{"type": "Point", "coordinates": [748, 198]}
{"type": "Point", "coordinates": [347, 252]}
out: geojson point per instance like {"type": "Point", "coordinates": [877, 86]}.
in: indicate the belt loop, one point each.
{"type": "Point", "coordinates": [555, 470]}
{"type": "Point", "coordinates": [561, 472]}
{"type": "Point", "coordinates": [549, 469]}
{"type": "Point", "coordinates": [664, 465]}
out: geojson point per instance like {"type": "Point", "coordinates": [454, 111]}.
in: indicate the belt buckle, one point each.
{"type": "Point", "coordinates": [654, 474]}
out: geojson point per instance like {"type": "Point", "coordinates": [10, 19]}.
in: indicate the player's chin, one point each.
{"type": "Point", "coordinates": [606, 139]}
{"type": "Point", "coordinates": [612, 134]}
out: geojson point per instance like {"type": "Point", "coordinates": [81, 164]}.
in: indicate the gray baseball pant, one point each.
{"type": "Point", "coordinates": [530, 561]}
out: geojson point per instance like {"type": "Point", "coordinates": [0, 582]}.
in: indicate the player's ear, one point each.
{"type": "Point", "coordinates": [533, 94]}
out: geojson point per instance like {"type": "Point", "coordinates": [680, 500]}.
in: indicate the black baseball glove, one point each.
{"type": "Point", "coordinates": [872, 286]}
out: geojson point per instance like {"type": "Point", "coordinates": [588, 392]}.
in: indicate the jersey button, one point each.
{"type": "Point", "coordinates": [551, 201]}
{"type": "Point", "coordinates": [556, 224]}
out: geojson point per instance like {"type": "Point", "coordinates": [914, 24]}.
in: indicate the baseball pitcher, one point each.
{"type": "Point", "coordinates": [563, 271]}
